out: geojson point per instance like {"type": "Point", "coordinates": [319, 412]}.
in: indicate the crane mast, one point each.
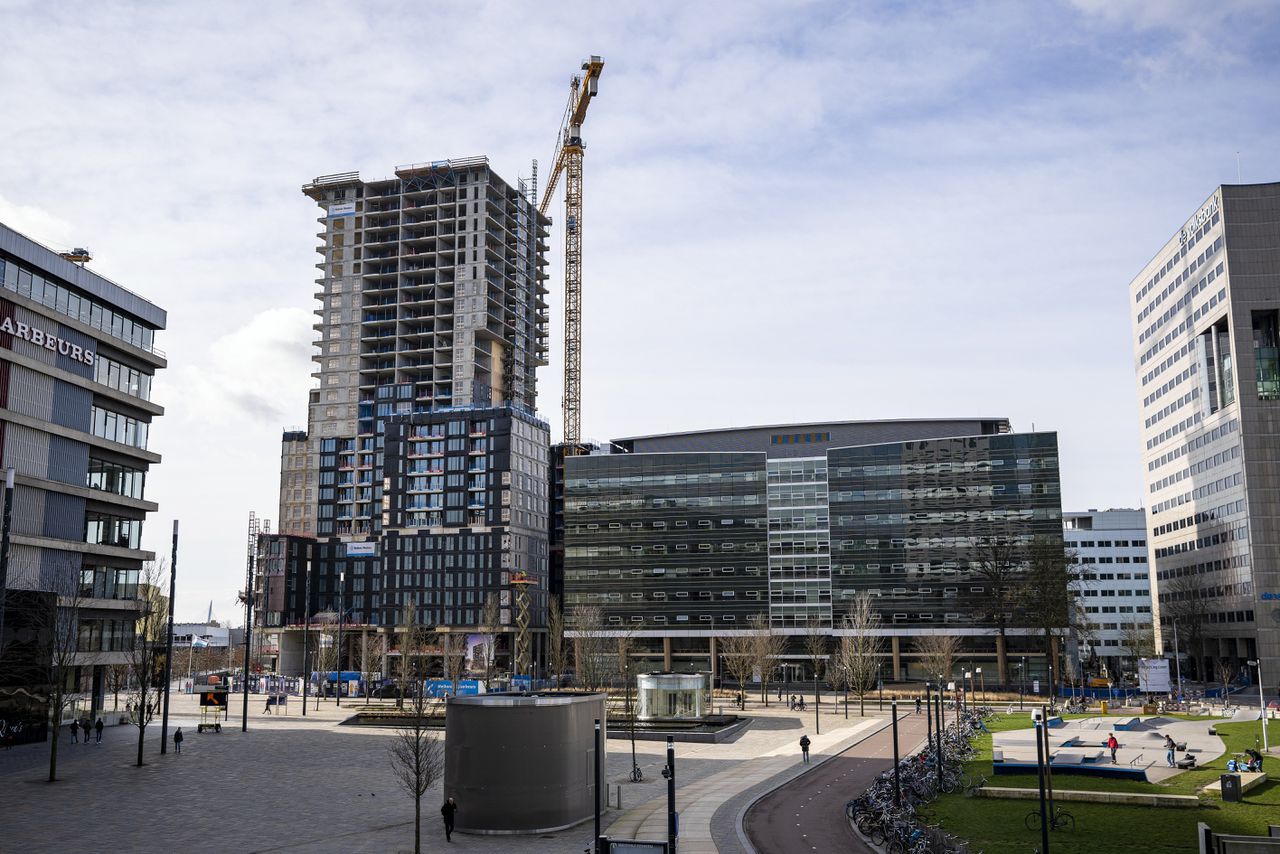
{"type": "Point", "coordinates": [568, 162]}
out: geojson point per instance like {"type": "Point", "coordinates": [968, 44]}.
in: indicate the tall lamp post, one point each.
{"type": "Point", "coordinates": [337, 683]}
{"type": "Point", "coordinates": [306, 633]}
{"type": "Point", "coordinates": [1022, 687]}
{"type": "Point", "coordinates": [968, 675]}
{"type": "Point", "coordinates": [168, 655]}
{"type": "Point", "coordinates": [982, 686]}
{"type": "Point", "coordinates": [1262, 703]}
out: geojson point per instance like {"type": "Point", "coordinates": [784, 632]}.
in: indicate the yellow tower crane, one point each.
{"type": "Point", "coordinates": [568, 159]}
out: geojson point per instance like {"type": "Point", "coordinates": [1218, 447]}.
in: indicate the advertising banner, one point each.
{"type": "Point", "coordinates": [1153, 675]}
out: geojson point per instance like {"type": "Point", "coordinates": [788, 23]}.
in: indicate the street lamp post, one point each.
{"type": "Point", "coordinates": [982, 687]}
{"type": "Point", "coordinates": [968, 675]}
{"type": "Point", "coordinates": [880, 683]}
{"type": "Point", "coordinates": [306, 634]}
{"type": "Point", "coordinates": [1022, 687]}
{"type": "Point", "coordinates": [1262, 703]}
{"type": "Point", "coordinates": [337, 683]}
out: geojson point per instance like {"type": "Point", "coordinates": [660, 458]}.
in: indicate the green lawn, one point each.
{"type": "Point", "coordinates": [996, 826]}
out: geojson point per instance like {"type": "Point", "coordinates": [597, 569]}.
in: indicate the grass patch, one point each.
{"type": "Point", "coordinates": [996, 826]}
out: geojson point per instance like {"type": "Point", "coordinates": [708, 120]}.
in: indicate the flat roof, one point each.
{"type": "Point", "coordinates": [38, 255]}
{"type": "Point", "coordinates": [805, 425]}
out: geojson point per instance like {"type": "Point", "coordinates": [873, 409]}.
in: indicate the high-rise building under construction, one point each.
{"type": "Point", "coordinates": [431, 299]}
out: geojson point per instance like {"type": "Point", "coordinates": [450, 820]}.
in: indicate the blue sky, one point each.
{"type": "Point", "coordinates": [794, 210]}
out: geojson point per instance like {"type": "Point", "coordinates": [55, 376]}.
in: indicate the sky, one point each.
{"type": "Point", "coordinates": [794, 211]}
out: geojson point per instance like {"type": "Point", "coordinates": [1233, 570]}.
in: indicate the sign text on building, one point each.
{"type": "Point", "coordinates": [1204, 215]}
{"type": "Point", "coordinates": [47, 340]}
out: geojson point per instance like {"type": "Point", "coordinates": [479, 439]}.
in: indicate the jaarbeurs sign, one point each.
{"type": "Point", "coordinates": [47, 340]}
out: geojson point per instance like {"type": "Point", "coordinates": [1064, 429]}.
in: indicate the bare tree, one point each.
{"type": "Point", "coordinates": [1225, 671]}
{"type": "Point", "coordinates": [816, 648]}
{"type": "Point", "coordinates": [58, 618]}
{"type": "Point", "coordinates": [1001, 563]}
{"type": "Point", "coordinates": [767, 649]}
{"type": "Point", "coordinates": [1185, 603]}
{"type": "Point", "coordinates": [453, 655]}
{"type": "Point", "coordinates": [590, 645]}
{"type": "Point", "coordinates": [146, 653]}
{"type": "Point", "coordinates": [373, 653]}
{"type": "Point", "coordinates": [417, 753]}
{"type": "Point", "coordinates": [937, 654]}
{"type": "Point", "coordinates": [624, 646]}
{"type": "Point", "coordinates": [860, 648]}
{"type": "Point", "coordinates": [117, 676]}
{"type": "Point", "coordinates": [490, 624]}
{"type": "Point", "coordinates": [557, 650]}
{"type": "Point", "coordinates": [739, 653]}
{"type": "Point", "coordinates": [1048, 598]}
{"type": "Point", "coordinates": [326, 655]}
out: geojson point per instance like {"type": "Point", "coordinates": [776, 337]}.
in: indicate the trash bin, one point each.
{"type": "Point", "coordinates": [1104, 707]}
{"type": "Point", "coordinates": [1230, 787]}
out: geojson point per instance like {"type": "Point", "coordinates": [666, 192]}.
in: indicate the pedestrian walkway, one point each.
{"type": "Point", "coordinates": [698, 801]}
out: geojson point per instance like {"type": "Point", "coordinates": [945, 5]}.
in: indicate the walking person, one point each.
{"type": "Point", "coordinates": [97, 728]}
{"type": "Point", "coordinates": [804, 748]}
{"type": "Point", "coordinates": [1112, 745]}
{"type": "Point", "coordinates": [177, 740]}
{"type": "Point", "coordinates": [1169, 747]}
{"type": "Point", "coordinates": [450, 807]}
{"type": "Point", "coordinates": [917, 705]}
{"type": "Point", "coordinates": [75, 728]}
{"type": "Point", "coordinates": [86, 725]}
{"type": "Point", "coordinates": [779, 694]}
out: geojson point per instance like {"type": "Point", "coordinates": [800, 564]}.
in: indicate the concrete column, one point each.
{"type": "Point", "coordinates": [714, 655]}
{"type": "Point", "coordinates": [666, 653]}
{"type": "Point", "coordinates": [896, 643]}
{"type": "Point", "coordinates": [1001, 664]}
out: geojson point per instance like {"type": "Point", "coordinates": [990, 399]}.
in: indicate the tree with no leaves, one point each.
{"type": "Point", "coordinates": [373, 651]}
{"type": "Point", "coordinates": [557, 650]}
{"type": "Point", "coordinates": [1048, 599]}
{"type": "Point", "coordinates": [590, 645]}
{"type": "Point", "coordinates": [767, 649]}
{"type": "Point", "coordinates": [326, 655]}
{"type": "Point", "coordinates": [453, 654]}
{"type": "Point", "coordinates": [1001, 563]}
{"type": "Point", "coordinates": [146, 653]}
{"type": "Point", "coordinates": [624, 646]}
{"type": "Point", "coordinates": [937, 654]}
{"type": "Point", "coordinates": [416, 752]}
{"type": "Point", "coordinates": [739, 653]}
{"type": "Point", "coordinates": [815, 647]}
{"type": "Point", "coordinates": [58, 619]}
{"type": "Point", "coordinates": [859, 654]}
{"type": "Point", "coordinates": [490, 624]}
{"type": "Point", "coordinates": [1184, 603]}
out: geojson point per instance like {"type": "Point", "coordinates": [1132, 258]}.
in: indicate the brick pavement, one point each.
{"type": "Point", "coordinates": [292, 784]}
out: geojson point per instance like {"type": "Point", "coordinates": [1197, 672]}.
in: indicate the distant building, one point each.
{"type": "Point", "coordinates": [1114, 590]}
{"type": "Point", "coordinates": [685, 538]}
{"type": "Point", "coordinates": [209, 635]}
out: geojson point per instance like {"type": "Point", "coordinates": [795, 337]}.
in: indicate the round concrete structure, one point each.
{"type": "Point", "coordinates": [522, 763]}
{"type": "Point", "coordinates": [673, 696]}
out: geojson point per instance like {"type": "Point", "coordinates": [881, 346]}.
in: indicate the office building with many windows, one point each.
{"type": "Point", "coordinates": [423, 468]}
{"type": "Point", "coordinates": [1113, 591]}
{"type": "Point", "coordinates": [1206, 335]}
{"type": "Point", "coordinates": [77, 356]}
{"type": "Point", "coordinates": [685, 538]}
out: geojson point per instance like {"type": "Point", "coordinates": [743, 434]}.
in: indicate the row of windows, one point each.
{"type": "Point", "coordinates": [1197, 468]}
{"type": "Point", "coordinates": [1240, 533]}
{"type": "Point", "coordinates": [1171, 336]}
{"type": "Point", "coordinates": [1200, 518]}
{"type": "Point", "coordinates": [65, 301]}
{"type": "Point", "coordinates": [1232, 562]}
{"type": "Point", "coordinates": [1173, 431]}
{"type": "Point", "coordinates": [1168, 266]}
{"type": "Point", "coordinates": [692, 478]}
{"type": "Point", "coordinates": [1107, 544]}
{"type": "Point", "coordinates": [1181, 303]}
{"type": "Point", "coordinates": [1195, 444]}
{"type": "Point", "coordinates": [1167, 362]}
{"type": "Point", "coordinates": [1231, 480]}
{"type": "Point", "coordinates": [1170, 385]}
{"type": "Point", "coordinates": [121, 377]}
{"type": "Point", "coordinates": [115, 478]}
{"type": "Point", "coordinates": [106, 424]}
{"type": "Point", "coordinates": [105, 530]}
{"type": "Point", "coordinates": [1104, 593]}
{"type": "Point", "coordinates": [983, 466]}
{"type": "Point", "coordinates": [1171, 408]}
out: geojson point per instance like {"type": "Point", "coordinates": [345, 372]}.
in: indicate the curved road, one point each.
{"type": "Point", "coordinates": [807, 814]}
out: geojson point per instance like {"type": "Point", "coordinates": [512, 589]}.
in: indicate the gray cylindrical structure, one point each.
{"type": "Point", "coordinates": [520, 763]}
{"type": "Point", "coordinates": [673, 696]}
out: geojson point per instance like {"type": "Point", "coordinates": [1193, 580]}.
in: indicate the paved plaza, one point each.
{"type": "Point", "coordinates": [295, 784]}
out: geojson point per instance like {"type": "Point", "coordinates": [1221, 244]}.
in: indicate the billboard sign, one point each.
{"type": "Point", "coordinates": [1153, 676]}
{"type": "Point", "coordinates": [362, 549]}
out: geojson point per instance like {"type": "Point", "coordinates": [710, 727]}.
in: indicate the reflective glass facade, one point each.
{"type": "Point", "coordinates": [908, 520]}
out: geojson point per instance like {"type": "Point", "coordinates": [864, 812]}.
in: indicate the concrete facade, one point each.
{"type": "Point", "coordinates": [77, 356]}
{"type": "Point", "coordinates": [1114, 591]}
{"type": "Point", "coordinates": [1205, 312]}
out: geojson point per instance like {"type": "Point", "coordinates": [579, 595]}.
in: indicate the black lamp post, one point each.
{"type": "Point", "coordinates": [306, 633]}
{"type": "Point", "coordinates": [337, 683]}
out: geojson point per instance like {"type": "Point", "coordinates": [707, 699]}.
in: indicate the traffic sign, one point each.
{"type": "Point", "coordinates": [213, 698]}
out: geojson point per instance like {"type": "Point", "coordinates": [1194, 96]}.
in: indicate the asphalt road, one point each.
{"type": "Point", "coordinates": [807, 814]}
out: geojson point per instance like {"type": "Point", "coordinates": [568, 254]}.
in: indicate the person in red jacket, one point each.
{"type": "Point", "coordinates": [1112, 744]}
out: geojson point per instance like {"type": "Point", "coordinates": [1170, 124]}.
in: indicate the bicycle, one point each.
{"type": "Point", "coordinates": [1061, 819]}
{"type": "Point", "coordinates": [637, 776]}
